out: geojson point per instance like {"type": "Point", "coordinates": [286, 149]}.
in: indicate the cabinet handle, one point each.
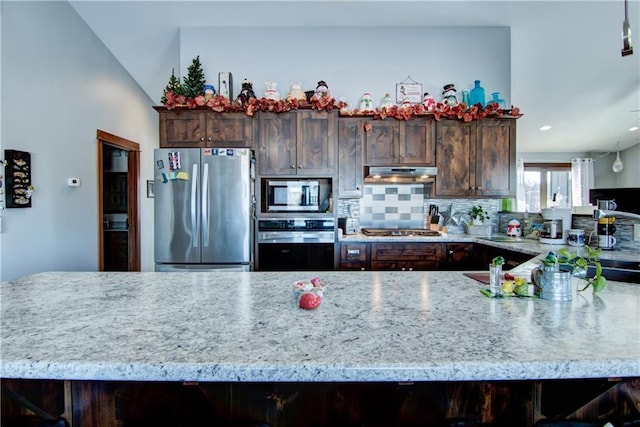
{"type": "Point", "coordinates": [450, 252]}
{"type": "Point", "coordinates": [358, 188]}
{"type": "Point", "coordinates": [410, 268]}
{"type": "Point", "coordinates": [353, 251]}
{"type": "Point", "coordinates": [299, 166]}
{"type": "Point", "coordinates": [293, 166]}
{"type": "Point", "coordinates": [209, 139]}
{"type": "Point", "coordinates": [202, 139]}
{"type": "Point", "coordinates": [478, 188]}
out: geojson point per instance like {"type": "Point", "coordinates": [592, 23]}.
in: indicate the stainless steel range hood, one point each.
{"type": "Point", "coordinates": [401, 174]}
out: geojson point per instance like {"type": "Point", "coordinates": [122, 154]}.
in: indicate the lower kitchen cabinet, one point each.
{"type": "Point", "coordinates": [483, 255]}
{"type": "Point", "coordinates": [391, 256]}
{"type": "Point", "coordinates": [354, 256]}
{"type": "Point", "coordinates": [449, 256]}
{"type": "Point", "coordinates": [406, 256]}
{"type": "Point", "coordinates": [459, 256]}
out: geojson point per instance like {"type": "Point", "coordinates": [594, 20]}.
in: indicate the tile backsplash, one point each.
{"type": "Point", "coordinates": [404, 206]}
{"type": "Point", "coordinates": [392, 206]}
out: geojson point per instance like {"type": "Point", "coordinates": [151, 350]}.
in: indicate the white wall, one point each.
{"type": "Point", "coordinates": [630, 175]}
{"type": "Point", "coordinates": [604, 177]}
{"type": "Point", "coordinates": [60, 84]}
{"type": "Point", "coordinates": [354, 60]}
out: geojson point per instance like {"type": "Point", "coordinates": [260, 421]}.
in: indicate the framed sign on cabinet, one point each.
{"type": "Point", "coordinates": [409, 90]}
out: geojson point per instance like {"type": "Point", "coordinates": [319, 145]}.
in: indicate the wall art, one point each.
{"type": "Point", "coordinates": [18, 179]}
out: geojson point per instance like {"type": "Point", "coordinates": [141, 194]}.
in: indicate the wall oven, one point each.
{"type": "Point", "coordinates": [298, 244]}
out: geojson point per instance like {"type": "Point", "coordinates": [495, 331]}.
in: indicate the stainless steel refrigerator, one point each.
{"type": "Point", "coordinates": [203, 209]}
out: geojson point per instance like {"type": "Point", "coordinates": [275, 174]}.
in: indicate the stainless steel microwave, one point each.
{"type": "Point", "coordinates": [293, 196]}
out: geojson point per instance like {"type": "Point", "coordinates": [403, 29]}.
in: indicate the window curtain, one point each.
{"type": "Point", "coordinates": [520, 190]}
{"type": "Point", "coordinates": [581, 180]}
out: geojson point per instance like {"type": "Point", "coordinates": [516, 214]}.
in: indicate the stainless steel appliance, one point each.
{"type": "Point", "coordinates": [395, 232]}
{"type": "Point", "coordinates": [296, 244]}
{"type": "Point", "coordinates": [203, 209]}
{"type": "Point", "coordinates": [395, 174]}
{"type": "Point", "coordinates": [296, 195]}
{"type": "Point", "coordinates": [556, 226]}
{"type": "Point", "coordinates": [348, 225]}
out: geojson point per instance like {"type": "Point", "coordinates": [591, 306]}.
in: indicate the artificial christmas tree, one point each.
{"type": "Point", "coordinates": [193, 82]}
{"type": "Point", "coordinates": [173, 86]}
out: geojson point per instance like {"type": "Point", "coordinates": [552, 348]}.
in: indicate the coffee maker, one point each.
{"type": "Point", "coordinates": [556, 226]}
{"type": "Point", "coordinates": [605, 224]}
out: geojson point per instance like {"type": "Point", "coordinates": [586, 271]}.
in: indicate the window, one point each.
{"type": "Point", "coordinates": [546, 185]}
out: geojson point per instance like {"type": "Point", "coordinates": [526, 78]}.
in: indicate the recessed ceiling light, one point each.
{"type": "Point", "coordinates": [545, 127]}
{"type": "Point", "coordinates": [631, 129]}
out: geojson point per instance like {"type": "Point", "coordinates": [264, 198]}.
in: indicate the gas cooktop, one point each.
{"type": "Point", "coordinates": [399, 232]}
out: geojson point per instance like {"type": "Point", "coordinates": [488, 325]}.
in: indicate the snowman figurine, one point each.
{"type": "Point", "coordinates": [406, 103]}
{"type": "Point", "coordinates": [296, 92]}
{"type": "Point", "coordinates": [386, 102]}
{"type": "Point", "coordinates": [366, 103]}
{"type": "Point", "coordinates": [271, 92]}
{"type": "Point", "coordinates": [449, 95]}
{"type": "Point", "coordinates": [209, 91]}
{"type": "Point", "coordinates": [322, 92]}
{"type": "Point", "coordinates": [246, 92]}
{"type": "Point", "coordinates": [428, 102]}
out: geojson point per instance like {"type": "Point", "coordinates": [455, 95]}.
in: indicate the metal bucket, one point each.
{"type": "Point", "coordinates": [552, 285]}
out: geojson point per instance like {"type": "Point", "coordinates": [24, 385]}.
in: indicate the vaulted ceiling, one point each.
{"type": "Point", "coordinates": [567, 70]}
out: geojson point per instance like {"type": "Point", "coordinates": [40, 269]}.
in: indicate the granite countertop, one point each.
{"type": "Point", "coordinates": [371, 326]}
{"type": "Point", "coordinates": [527, 246]}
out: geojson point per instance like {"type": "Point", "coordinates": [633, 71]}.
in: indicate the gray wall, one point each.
{"type": "Point", "coordinates": [59, 85]}
{"type": "Point", "coordinates": [354, 60]}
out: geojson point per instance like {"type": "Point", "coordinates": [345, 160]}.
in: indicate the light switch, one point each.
{"type": "Point", "coordinates": [73, 182]}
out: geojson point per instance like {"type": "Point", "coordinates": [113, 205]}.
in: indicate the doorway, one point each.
{"type": "Point", "coordinates": [118, 199]}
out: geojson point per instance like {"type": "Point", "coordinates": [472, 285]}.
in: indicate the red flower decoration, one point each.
{"type": "Point", "coordinates": [221, 104]}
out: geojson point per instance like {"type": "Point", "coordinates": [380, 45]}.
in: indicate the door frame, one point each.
{"type": "Point", "coordinates": [133, 196]}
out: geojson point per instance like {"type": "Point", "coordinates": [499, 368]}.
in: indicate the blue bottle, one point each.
{"type": "Point", "coordinates": [495, 98]}
{"type": "Point", "coordinates": [476, 96]}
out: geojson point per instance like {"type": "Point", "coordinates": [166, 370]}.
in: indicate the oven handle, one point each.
{"type": "Point", "coordinates": [295, 237]}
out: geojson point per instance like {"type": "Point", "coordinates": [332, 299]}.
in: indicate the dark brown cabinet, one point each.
{"type": "Point", "coordinates": [354, 256]}
{"type": "Point", "coordinates": [350, 171]}
{"type": "Point", "coordinates": [204, 128]}
{"type": "Point", "coordinates": [297, 143]}
{"type": "Point", "coordinates": [396, 142]}
{"type": "Point", "coordinates": [458, 256]}
{"type": "Point", "coordinates": [406, 256]}
{"type": "Point", "coordinates": [496, 158]}
{"type": "Point", "coordinates": [483, 254]}
{"type": "Point", "coordinates": [476, 159]}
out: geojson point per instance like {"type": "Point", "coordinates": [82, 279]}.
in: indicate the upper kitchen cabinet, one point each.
{"type": "Point", "coordinates": [350, 171]}
{"type": "Point", "coordinates": [456, 145]}
{"type": "Point", "coordinates": [396, 142]}
{"type": "Point", "coordinates": [496, 158]}
{"type": "Point", "coordinates": [204, 128]}
{"type": "Point", "coordinates": [297, 143]}
{"type": "Point", "coordinates": [476, 159]}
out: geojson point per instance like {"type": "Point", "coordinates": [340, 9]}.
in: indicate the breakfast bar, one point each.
{"type": "Point", "coordinates": [401, 327]}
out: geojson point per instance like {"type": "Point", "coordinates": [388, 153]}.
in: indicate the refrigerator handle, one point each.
{"type": "Point", "coordinates": [194, 201]}
{"type": "Point", "coordinates": [205, 205]}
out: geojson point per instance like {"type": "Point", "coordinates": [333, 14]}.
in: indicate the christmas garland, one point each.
{"type": "Point", "coordinates": [221, 104]}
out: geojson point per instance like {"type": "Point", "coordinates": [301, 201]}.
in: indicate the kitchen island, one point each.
{"type": "Point", "coordinates": [372, 327]}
